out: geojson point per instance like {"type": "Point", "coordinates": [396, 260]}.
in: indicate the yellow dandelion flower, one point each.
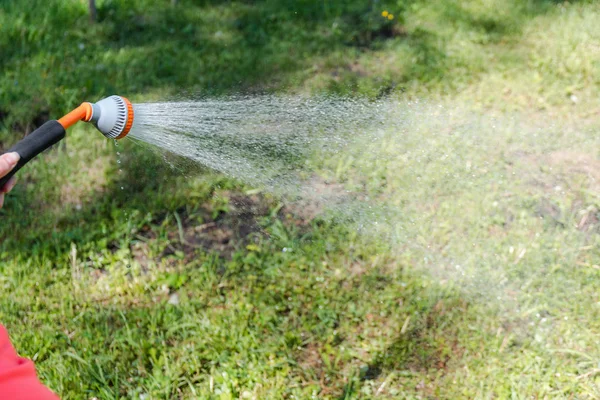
{"type": "Point", "coordinates": [385, 14]}
{"type": "Point", "coordinates": [390, 16]}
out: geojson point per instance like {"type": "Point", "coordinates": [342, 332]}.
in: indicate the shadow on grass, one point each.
{"type": "Point", "coordinates": [207, 47]}
{"type": "Point", "coordinates": [425, 343]}
{"type": "Point", "coordinates": [316, 330]}
{"type": "Point", "coordinates": [146, 185]}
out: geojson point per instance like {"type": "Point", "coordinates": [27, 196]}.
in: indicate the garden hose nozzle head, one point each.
{"type": "Point", "coordinates": [113, 116]}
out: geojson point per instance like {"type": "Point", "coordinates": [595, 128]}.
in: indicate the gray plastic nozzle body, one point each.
{"type": "Point", "coordinates": [109, 115]}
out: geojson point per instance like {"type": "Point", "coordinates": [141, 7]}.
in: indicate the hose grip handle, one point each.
{"type": "Point", "coordinates": [33, 144]}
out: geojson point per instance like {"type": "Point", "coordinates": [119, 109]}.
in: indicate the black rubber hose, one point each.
{"type": "Point", "coordinates": [33, 144]}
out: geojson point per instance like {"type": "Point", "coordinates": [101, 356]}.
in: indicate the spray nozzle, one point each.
{"type": "Point", "coordinates": [113, 116]}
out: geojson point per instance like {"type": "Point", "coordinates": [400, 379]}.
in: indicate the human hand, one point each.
{"type": "Point", "coordinates": [7, 163]}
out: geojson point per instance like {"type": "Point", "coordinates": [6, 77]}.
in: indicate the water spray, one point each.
{"type": "Point", "coordinates": [112, 116]}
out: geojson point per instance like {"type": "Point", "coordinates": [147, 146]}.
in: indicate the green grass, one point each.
{"type": "Point", "coordinates": [135, 280]}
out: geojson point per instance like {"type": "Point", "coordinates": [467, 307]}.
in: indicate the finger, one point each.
{"type": "Point", "coordinates": [9, 185]}
{"type": "Point", "coordinates": [1, 199]}
{"type": "Point", "coordinates": [8, 162]}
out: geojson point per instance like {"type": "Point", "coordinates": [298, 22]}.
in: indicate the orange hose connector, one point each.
{"type": "Point", "coordinates": [81, 113]}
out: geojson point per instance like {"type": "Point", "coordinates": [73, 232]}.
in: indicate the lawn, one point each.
{"type": "Point", "coordinates": [131, 273]}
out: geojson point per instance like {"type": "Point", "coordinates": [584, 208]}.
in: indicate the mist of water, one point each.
{"type": "Point", "coordinates": [262, 140]}
{"type": "Point", "coordinates": [391, 168]}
